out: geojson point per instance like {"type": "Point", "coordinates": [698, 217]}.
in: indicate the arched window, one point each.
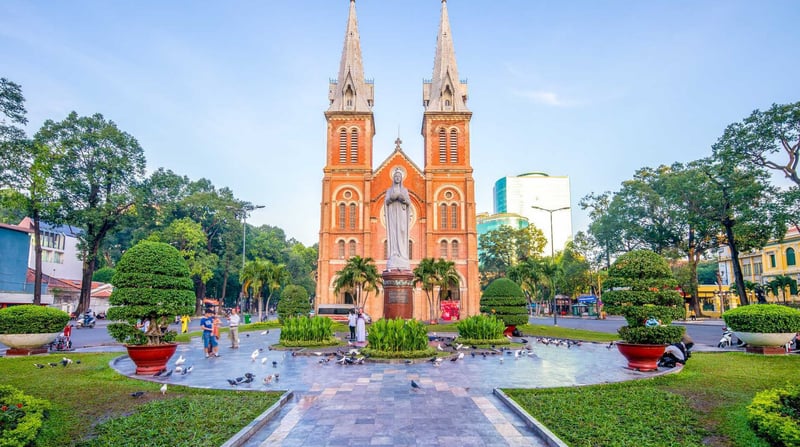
{"type": "Point", "coordinates": [343, 146]}
{"type": "Point", "coordinates": [443, 216]}
{"type": "Point", "coordinates": [410, 249]}
{"type": "Point", "coordinates": [442, 146]}
{"type": "Point", "coordinates": [353, 216]}
{"type": "Point", "coordinates": [443, 249]}
{"type": "Point", "coordinates": [454, 216]}
{"type": "Point", "coordinates": [453, 146]}
{"type": "Point", "coordinates": [790, 260]}
{"type": "Point", "coordinates": [342, 216]}
{"type": "Point", "coordinates": [341, 249]}
{"type": "Point", "coordinates": [354, 146]}
{"type": "Point", "coordinates": [454, 249]}
{"type": "Point", "coordinates": [352, 248]}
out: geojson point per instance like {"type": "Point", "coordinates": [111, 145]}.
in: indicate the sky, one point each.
{"type": "Point", "coordinates": [235, 91]}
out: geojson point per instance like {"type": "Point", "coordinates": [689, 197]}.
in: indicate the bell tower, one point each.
{"type": "Point", "coordinates": [345, 211]}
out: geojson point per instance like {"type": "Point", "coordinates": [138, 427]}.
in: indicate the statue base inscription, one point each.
{"type": "Point", "coordinates": [398, 294]}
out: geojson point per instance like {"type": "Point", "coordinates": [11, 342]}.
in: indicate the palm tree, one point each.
{"type": "Point", "coordinates": [275, 276]}
{"type": "Point", "coordinates": [780, 283]}
{"type": "Point", "coordinates": [252, 277]}
{"type": "Point", "coordinates": [446, 275]}
{"type": "Point", "coordinates": [425, 273]}
{"type": "Point", "coordinates": [529, 276]}
{"type": "Point", "coordinates": [360, 276]}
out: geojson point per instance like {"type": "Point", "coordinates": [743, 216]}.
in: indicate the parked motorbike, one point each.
{"type": "Point", "coordinates": [727, 336]}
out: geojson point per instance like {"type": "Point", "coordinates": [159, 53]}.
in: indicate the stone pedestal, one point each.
{"type": "Point", "coordinates": [765, 350]}
{"type": "Point", "coordinates": [398, 294]}
{"type": "Point", "coordinates": [25, 351]}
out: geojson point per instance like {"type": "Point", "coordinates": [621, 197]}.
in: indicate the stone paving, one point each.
{"type": "Point", "coordinates": [374, 403]}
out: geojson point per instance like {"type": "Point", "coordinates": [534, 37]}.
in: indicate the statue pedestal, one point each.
{"type": "Point", "coordinates": [398, 294]}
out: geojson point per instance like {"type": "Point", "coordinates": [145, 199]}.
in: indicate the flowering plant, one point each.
{"type": "Point", "coordinates": [21, 417]}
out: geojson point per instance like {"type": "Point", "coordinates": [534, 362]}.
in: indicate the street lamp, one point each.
{"type": "Point", "coordinates": [552, 255]}
{"type": "Point", "coordinates": [244, 210]}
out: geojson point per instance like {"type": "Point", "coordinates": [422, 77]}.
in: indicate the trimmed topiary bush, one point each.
{"type": "Point", "coordinates": [505, 299]}
{"type": "Point", "coordinates": [293, 303]}
{"type": "Point", "coordinates": [307, 331]}
{"type": "Point", "coordinates": [21, 417]}
{"type": "Point", "coordinates": [775, 415]}
{"type": "Point", "coordinates": [152, 283]}
{"type": "Point", "coordinates": [763, 318]}
{"type": "Point", "coordinates": [641, 287]}
{"type": "Point", "coordinates": [398, 338]}
{"type": "Point", "coordinates": [32, 319]}
{"type": "Point", "coordinates": [481, 329]}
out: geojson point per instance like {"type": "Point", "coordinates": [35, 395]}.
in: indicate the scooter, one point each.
{"type": "Point", "coordinates": [88, 320]}
{"type": "Point", "coordinates": [725, 341]}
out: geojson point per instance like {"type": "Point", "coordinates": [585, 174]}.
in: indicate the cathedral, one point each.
{"type": "Point", "coordinates": [442, 192]}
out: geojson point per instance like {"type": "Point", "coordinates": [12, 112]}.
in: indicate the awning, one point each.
{"type": "Point", "coordinates": [587, 299]}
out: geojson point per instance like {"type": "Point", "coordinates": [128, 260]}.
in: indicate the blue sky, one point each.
{"type": "Point", "coordinates": [235, 91]}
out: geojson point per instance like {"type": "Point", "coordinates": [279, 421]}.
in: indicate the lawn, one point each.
{"type": "Point", "coordinates": [704, 405]}
{"type": "Point", "coordinates": [92, 405]}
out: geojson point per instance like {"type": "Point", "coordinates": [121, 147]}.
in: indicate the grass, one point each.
{"type": "Point", "coordinates": [538, 330]}
{"type": "Point", "coordinates": [704, 405]}
{"type": "Point", "coordinates": [90, 392]}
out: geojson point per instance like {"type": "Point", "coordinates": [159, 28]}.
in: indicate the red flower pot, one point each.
{"type": "Point", "coordinates": [640, 356]}
{"type": "Point", "coordinates": [150, 359]}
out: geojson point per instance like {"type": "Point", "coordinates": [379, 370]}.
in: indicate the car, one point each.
{"type": "Point", "coordinates": [338, 312]}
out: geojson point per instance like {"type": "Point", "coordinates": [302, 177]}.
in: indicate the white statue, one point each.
{"type": "Point", "coordinates": [397, 209]}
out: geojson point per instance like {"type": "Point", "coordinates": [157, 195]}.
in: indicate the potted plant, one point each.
{"type": "Point", "coordinates": [641, 288]}
{"type": "Point", "coordinates": [152, 284]}
{"type": "Point", "coordinates": [27, 327]}
{"type": "Point", "coordinates": [763, 325]}
{"type": "Point", "coordinates": [504, 299]}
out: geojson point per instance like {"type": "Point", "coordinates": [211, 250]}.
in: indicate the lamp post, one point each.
{"type": "Point", "coordinates": [244, 210]}
{"type": "Point", "coordinates": [552, 256]}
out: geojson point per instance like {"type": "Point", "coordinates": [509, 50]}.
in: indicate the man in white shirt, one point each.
{"type": "Point", "coordinates": [234, 320]}
{"type": "Point", "coordinates": [352, 318]}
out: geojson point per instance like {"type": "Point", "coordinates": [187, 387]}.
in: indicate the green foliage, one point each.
{"type": "Point", "coordinates": [104, 274]}
{"type": "Point", "coordinates": [151, 283]}
{"type": "Point", "coordinates": [31, 319]}
{"type": "Point", "coordinates": [21, 417]}
{"type": "Point", "coordinates": [763, 318]}
{"type": "Point", "coordinates": [481, 327]}
{"type": "Point", "coordinates": [775, 415]}
{"type": "Point", "coordinates": [359, 276]}
{"type": "Point", "coordinates": [294, 302]}
{"type": "Point", "coordinates": [640, 286]}
{"type": "Point", "coordinates": [505, 246]}
{"type": "Point", "coordinates": [306, 329]}
{"type": "Point", "coordinates": [504, 299]}
{"type": "Point", "coordinates": [398, 335]}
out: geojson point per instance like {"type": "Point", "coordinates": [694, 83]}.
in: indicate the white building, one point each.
{"type": "Point", "coordinates": [59, 250]}
{"type": "Point", "coordinates": [543, 199]}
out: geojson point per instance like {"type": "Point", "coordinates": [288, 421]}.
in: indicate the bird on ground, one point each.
{"type": "Point", "coordinates": [38, 365]}
{"type": "Point", "coordinates": [187, 370]}
{"type": "Point", "coordinates": [53, 364]}
{"type": "Point", "coordinates": [163, 389]}
{"type": "Point", "coordinates": [501, 359]}
{"type": "Point", "coordinates": [517, 354]}
{"type": "Point", "coordinates": [65, 361]}
{"type": "Point", "coordinates": [78, 362]}
{"type": "Point", "coordinates": [247, 335]}
{"type": "Point", "coordinates": [167, 374]}
{"type": "Point", "coordinates": [354, 352]}
{"type": "Point", "coordinates": [248, 379]}
{"type": "Point", "coordinates": [232, 382]}
{"type": "Point", "coordinates": [610, 345]}
{"type": "Point", "coordinates": [459, 346]}
{"type": "Point", "coordinates": [274, 364]}
{"type": "Point", "coordinates": [472, 354]}
{"type": "Point", "coordinates": [277, 377]}
{"type": "Point", "coordinates": [160, 372]}
{"type": "Point", "coordinates": [439, 347]}
{"type": "Point", "coordinates": [254, 355]}
{"type": "Point", "coordinates": [178, 370]}
{"type": "Point", "coordinates": [137, 394]}
{"type": "Point", "coordinates": [317, 353]}
{"type": "Point", "coordinates": [249, 375]}
{"type": "Point", "coordinates": [264, 360]}
{"type": "Point", "coordinates": [265, 332]}
{"type": "Point", "coordinates": [460, 356]}
{"type": "Point", "coordinates": [181, 360]}
{"type": "Point", "coordinates": [268, 379]}
{"type": "Point", "coordinates": [522, 340]}
{"type": "Point", "coordinates": [415, 385]}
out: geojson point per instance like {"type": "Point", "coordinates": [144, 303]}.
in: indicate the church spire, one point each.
{"type": "Point", "coordinates": [445, 92]}
{"type": "Point", "coordinates": [350, 92]}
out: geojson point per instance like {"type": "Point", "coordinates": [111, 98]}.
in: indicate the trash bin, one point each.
{"type": "Point", "coordinates": [246, 318]}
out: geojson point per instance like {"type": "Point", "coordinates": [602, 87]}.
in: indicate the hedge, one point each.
{"type": "Point", "coordinates": [505, 299]}
{"type": "Point", "coordinates": [294, 302]}
{"type": "Point", "coordinates": [775, 415]}
{"type": "Point", "coordinates": [32, 319]}
{"type": "Point", "coordinates": [21, 417]}
{"type": "Point", "coordinates": [763, 318]}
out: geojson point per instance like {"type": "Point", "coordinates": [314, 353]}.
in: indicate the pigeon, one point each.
{"type": "Point", "coordinates": [274, 364]}
{"type": "Point", "coordinates": [249, 375]}
{"type": "Point", "coordinates": [53, 364]}
{"type": "Point", "coordinates": [277, 377]}
{"type": "Point", "coordinates": [415, 385]}
{"type": "Point", "coordinates": [264, 360]}
{"type": "Point", "coordinates": [137, 394]}
{"type": "Point", "coordinates": [178, 370]}
{"type": "Point", "coordinates": [459, 346]}
{"type": "Point", "coordinates": [439, 347]}
{"type": "Point", "coordinates": [265, 332]}
{"type": "Point", "coordinates": [163, 389]}
{"type": "Point", "coordinates": [167, 374]}
{"type": "Point", "coordinates": [268, 379]}
{"type": "Point", "coordinates": [460, 356]}
{"type": "Point", "coordinates": [187, 370]}
{"type": "Point", "coordinates": [247, 335]}
{"type": "Point", "coordinates": [38, 365]}
{"type": "Point", "coordinates": [248, 379]}
{"type": "Point", "coordinates": [180, 361]}
{"type": "Point", "coordinates": [610, 345]}
{"type": "Point", "coordinates": [232, 382]}
{"type": "Point", "coordinates": [65, 361]}
{"type": "Point", "coordinates": [254, 355]}
{"type": "Point", "coordinates": [317, 353]}
{"type": "Point", "coordinates": [523, 341]}
{"type": "Point", "coordinates": [158, 374]}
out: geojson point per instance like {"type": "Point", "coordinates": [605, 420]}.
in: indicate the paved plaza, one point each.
{"type": "Point", "coordinates": [375, 404]}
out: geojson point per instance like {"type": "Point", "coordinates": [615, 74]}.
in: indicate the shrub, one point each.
{"type": "Point", "coordinates": [398, 335]}
{"type": "Point", "coordinates": [504, 299]}
{"type": "Point", "coordinates": [32, 319]}
{"type": "Point", "coordinates": [775, 415]}
{"type": "Point", "coordinates": [310, 330]}
{"type": "Point", "coordinates": [152, 283]}
{"type": "Point", "coordinates": [21, 417]}
{"type": "Point", "coordinates": [104, 274]}
{"type": "Point", "coordinates": [481, 327]}
{"type": "Point", "coordinates": [763, 318]}
{"type": "Point", "coordinates": [640, 286]}
{"type": "Point", "coordinates": [293, 303]}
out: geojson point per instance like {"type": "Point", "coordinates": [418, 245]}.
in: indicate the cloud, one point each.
{"type": "Point", "coordinates": [546, 98]}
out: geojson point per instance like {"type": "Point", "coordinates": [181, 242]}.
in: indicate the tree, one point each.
{"type": "Point", "coordinates": [529, 276]}
{"type": "Point", "coordinates": [425, 275]}
{"type": "Point", "coordinates": [758, 137]}
{"type": "Point", "coordinates": [293, 303]}
{"type": "Point", "coordinates": [603, 228]}
{"type": "Point", "coordinates": [95, 172]}
{"type": "Point", "coordinates": [360, 276]}
{"type": "Point", "coordinates": [780, 283]}
{"type": "Point", "coordinates": [275, 277]}
{"type": "Point", "coordinates": [574, 272]}
{"type": "Point", "coordinates": [505, 246]}
{"type": "Point", "coordinates": [253, 277]}
{"type": "Point", "coordinates": [446, 277]}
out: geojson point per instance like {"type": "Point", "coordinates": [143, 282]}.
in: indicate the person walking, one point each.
{"type": "Point", "coordinates": [361, 327]}
{"type": "Point", "coordinates": [185, 324]}
{"type": "Point", "coordinates": [207, 325]}
{"type": "Point", "coordinates": [351, 322]}
{"type": "Point", "coordinates": [233, 322]}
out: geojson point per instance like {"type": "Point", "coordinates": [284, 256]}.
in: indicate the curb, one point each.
{"type": "Point", "coordinates": [250, 429]}
{"type": "Point", "coordinates": [549, 437]}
